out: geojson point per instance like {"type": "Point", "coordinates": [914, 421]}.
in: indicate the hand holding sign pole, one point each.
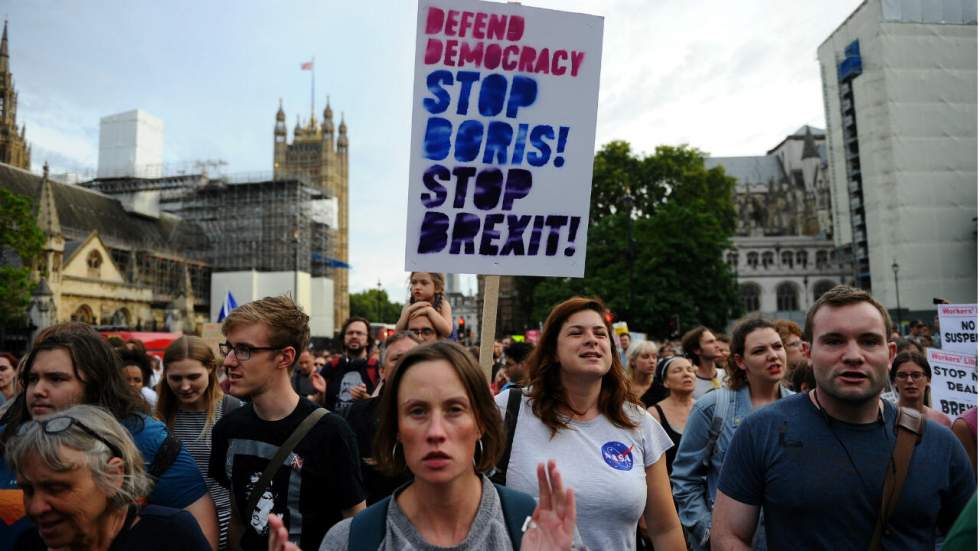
{"type": "Point", "coordinates": [503, 121]}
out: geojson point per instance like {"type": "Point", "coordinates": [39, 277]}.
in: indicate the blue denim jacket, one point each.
{"type": "Point", "coordinates": [695, 477]}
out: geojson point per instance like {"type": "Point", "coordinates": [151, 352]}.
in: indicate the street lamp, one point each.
{"type": "Point", "coordinates": [379, 301]}
{"type": "Point", "coordinates": [898, 302]}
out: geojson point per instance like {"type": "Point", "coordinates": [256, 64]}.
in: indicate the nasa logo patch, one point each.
{"type": "Point", "coordinates": [617, 455]}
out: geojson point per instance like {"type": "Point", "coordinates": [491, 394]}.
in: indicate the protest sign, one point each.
{"type": "Point", "coordinates": [503, 137]}
{"type": "Point", "coordinates": [954, 381]}
{"type": "Point", "coordinates": [958, 327]}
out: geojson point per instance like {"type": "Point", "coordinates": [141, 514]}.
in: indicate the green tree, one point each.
{"type": "Point", "coordinates": [20, 245]}
{"type": "Point", "coordinates": [683, 217]}
{"type": "Point", "coordinates": [367, 303]}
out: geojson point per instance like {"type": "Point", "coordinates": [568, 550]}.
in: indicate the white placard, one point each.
{"type": "Point", "coordinates": [503, 138]}
{"type": "Point", "coordinates": [958, 327]}
{"type": "Point", "coordinates": [954, 381]}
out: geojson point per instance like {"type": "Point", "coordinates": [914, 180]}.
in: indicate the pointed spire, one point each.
{"type": "Point", "coordinates": [327, 125]}
{"type": "Point", "coordinates": [809, 145]}
{"type": "Point", "coordinates": [280, 114]}
{"type": "Point", "coordinates": [47, 212]}
{"type": "Point", "coordinates": [342, 139]}
{"type": "Point", "coordinates": [4, 53]}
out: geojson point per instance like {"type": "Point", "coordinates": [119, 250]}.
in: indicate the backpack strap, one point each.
{"type": "Point", "coordinates": [517, 507]}
{"type": "Point", "coordinates": [166, 455]}
{"type": "Point", "coordinates": [367, 528]}
{"type": "Point", "coordinates": [723, 401]}
{"type": "Point", "coordinates": [514, 396]}
{"type": "Point", "coordinates": [372, 372]}
{"type": "Point", "coordinates": [910, 424]}
{"type": "Point", "coordinates": [276, 462]}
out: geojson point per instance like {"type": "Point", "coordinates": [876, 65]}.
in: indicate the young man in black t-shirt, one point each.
{"type": "Point", "coordinates": [319, 482]}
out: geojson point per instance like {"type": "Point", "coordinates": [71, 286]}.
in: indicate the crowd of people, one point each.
{"type": "Point", "coordinates": [774, 436]}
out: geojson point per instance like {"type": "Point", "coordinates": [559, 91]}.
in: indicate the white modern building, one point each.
{"type": "Point", "coordinates": [900, 95]}
{"type": "Point", "coordinates": [130, 144]}
{"type": "Point", "coordinates": [313, 294]}
{"type": "Point", "coordinates": [783, 252]}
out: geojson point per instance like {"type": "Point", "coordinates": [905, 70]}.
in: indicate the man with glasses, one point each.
{"type": "Point", "coordinates": [354, 375]}
{"type": "Point", "coordinates": [423, 329]}
{"type": "Point", "coordinates": [322, 482]}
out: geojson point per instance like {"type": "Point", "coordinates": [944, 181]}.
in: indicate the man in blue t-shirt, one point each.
{"type": "Point", "coordinates": [815, 463]}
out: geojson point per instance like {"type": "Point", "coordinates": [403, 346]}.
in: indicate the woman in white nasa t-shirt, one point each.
{"type": "Point", "coordinates": [611, 451]}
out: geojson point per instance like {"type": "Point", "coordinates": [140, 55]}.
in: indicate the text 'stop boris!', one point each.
{"type": "Point", "coordinates": [503, 123]}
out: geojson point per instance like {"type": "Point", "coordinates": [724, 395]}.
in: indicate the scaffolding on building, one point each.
{"type": "Point", "coordinates": [251, 222]}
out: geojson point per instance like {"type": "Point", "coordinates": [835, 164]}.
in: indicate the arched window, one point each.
{"type": "Point", "coordinates": [750, 296]}
{"type": "Point", "coordinates": [787, 297]}
{"type": "Point", "coordinates": [801, 259]}
{"type": "Point", "coordinates": [786, 258]}
{"type": "Point", "coordinates": [752, 259]}
{"type": "Point", "coordinates": [822, 287]}
{"type": "Point", "coordinates": [733, 259]}
{"type": "Point", "coordinates": [767, 259]}
{"type": "Point", "coordinates": [821, 259]}
{"type": "Point", "coordinates": [121, 318]}
{"type": "Point", "coordinates": [84, 314]}
{"type": "Point", "coordinates": [94, 262]}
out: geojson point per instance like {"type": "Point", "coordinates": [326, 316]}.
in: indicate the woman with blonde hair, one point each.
{"type": "Point", "coordinates": [190, 402]}
{"type": "Point", "coordinates": [642, 359]}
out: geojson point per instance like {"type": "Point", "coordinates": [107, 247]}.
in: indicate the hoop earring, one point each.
{"type": "Point", "coordinates": [394, 450]}
{"type": "Point", "coordinates": [479, 443]}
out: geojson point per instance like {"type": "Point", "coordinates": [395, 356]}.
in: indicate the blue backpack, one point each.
{"type": "Point", "coordinates": [367, 529]}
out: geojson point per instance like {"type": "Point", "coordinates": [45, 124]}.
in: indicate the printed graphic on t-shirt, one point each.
{"type": "Point", "coordinates": [260, 515]}
{"type": "Point", "coordinates": [344, 398]}
{"type": "Point", "coordinates": [247, 460]}
{"type": "Point", "coordinates": [617, 455]}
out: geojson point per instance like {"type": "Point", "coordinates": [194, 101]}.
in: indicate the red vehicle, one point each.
{"type": "Point", "coordinates": [154, 342]}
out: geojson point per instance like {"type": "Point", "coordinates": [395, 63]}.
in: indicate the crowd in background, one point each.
{"type": "Point", "coordinates": [626, 444]}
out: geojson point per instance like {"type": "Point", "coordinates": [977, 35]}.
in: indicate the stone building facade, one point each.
{"type": "Point", "coordinates": [13, 141]}
{"type": "Point", "coordinates": [109, 267]}
{"type": "Point", "coordinates": [783, 253]}
{"type": "Point", "coordinates": [320, 159]}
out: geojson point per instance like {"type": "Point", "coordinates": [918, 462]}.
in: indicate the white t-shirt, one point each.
{"type": "Point", "coordinates": [603, 463]}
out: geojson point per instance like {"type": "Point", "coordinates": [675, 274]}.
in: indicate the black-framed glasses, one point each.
{"type": "Point", "coordinates": [243, 351]}
{"type": "Point", "coordinates": [914, 375]}
{"type": "Point", "coordinates": [58, 425]}
{"type": "Point", "coordinates": [424, 332]}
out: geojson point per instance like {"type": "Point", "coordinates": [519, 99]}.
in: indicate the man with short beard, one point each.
{"type": "Point", "coordinates": [815, 463]}
{"type": "Point", "coordinates": [354, 375]}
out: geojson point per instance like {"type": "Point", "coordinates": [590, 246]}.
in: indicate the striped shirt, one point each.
{"type": "Point", "coordinates": [188, 427]}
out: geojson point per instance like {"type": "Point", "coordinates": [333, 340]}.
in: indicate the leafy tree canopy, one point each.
{"type": "Point", "coordinates": [20, 245]}
{"type": "Point", "coordinates": [683, 217]}
{"type": "Point", "coordinates": [367, 303]}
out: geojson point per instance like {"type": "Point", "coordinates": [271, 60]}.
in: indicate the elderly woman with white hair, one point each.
{"type": "Point", "coordinates": [641, 366]}
{"type": "Point", "coordinates": [83, 480]}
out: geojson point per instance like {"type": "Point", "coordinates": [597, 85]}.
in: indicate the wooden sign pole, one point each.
{"type": "Point", "coordinates": [488, 324]}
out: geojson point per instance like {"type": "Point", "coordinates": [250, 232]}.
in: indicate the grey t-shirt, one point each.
{"type": "Point", "coordinates": [488, 531]}
{"type": "Point", "coordinates": [603, 463]}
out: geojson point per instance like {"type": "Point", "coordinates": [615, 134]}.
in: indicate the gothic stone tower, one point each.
{"type": "Point", "coordinates": [13, 144]}
{"type": "Point", "coordinates": [317, 158]}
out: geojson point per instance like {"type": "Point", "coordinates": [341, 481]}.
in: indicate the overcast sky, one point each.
{"type": "Point", "coordinates": [730, 78]}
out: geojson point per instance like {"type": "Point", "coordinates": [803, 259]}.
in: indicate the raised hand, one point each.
{"type": "Point", "coordinates": [278, 536]}
{"type": "Point", "coordinates": [553, 526]}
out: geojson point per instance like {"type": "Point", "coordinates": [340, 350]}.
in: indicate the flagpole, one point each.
{"type": "Point", "coordinates": [313, 90]}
